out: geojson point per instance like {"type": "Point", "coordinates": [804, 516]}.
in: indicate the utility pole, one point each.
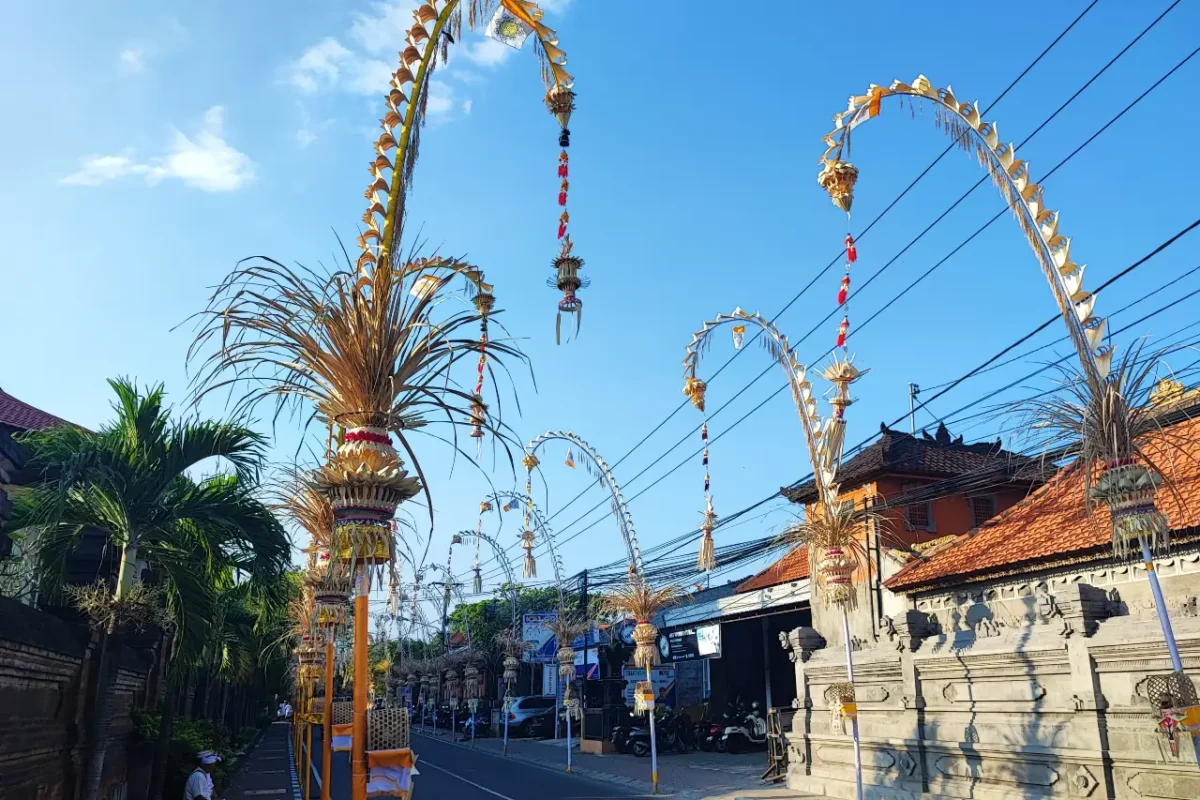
{"type": "Point", "coordinates": [583, 602]}
{"type": "Point", "coordinates": [913, 391]}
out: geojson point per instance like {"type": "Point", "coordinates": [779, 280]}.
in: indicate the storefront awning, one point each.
{"type": "Point", "coordinates": [782, 597]}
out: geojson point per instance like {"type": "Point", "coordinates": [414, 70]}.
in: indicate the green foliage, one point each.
{"type": "Point", "coordinates": [187, 739]}
{"type": "Point", "coordinates": [485, 619]}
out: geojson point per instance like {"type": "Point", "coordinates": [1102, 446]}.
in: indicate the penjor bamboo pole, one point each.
{"type": "Point", "coordinates": [653, 736]}
{"type": "Point", "coordinates": [308, 754]}
{"type": "Point", "coordinates": [858, 781]}
{"type": "Point", "coordinates": [358, 744]}
{"type": "Point", "coordinates": [1165, 622]}
{"type": "Point", "coordinates": [327, 721]}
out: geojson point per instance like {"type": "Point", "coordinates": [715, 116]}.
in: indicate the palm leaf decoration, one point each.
{"type": "Point", "coordinates": [835, 531]}
{"type": "Point", "coordinates": [637, 599]}
{"type": "Point", "coordinates": [355, 348]}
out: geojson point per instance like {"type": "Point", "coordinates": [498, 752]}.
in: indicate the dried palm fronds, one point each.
{"type": "Point", "coordinates": [139, 607]}
{"type": "Point", "coordinates": [638, 600]}
{"type": "Point", "coordinates": [1110, 423]}
{"type": "Point", "coordinates": [834, 536]}
{"type": "Point", "coordinates": [367, 350]}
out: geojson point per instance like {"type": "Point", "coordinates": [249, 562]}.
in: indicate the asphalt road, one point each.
{"type": "Point", "coordinates": [450, 772]}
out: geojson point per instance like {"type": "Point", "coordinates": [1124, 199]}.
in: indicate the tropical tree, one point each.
{"type": "Point", "coordinates": [130, 480]}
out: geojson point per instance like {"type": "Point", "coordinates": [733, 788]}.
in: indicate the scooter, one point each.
{"type": "Point", "coordinates": [749, 733]}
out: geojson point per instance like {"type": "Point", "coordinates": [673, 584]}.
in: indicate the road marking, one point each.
{"type": "Point", "coordinates": [424, 762]}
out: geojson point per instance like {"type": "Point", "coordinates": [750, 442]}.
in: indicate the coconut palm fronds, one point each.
{"type": "Point", "coordinates": [834, 536]}
{"type": "Point", "coordinates": [638, 600]}
{"type": "Point", "coordinates": [374, 348]}
{"type": "Point", "coordinates": [1110, 422]}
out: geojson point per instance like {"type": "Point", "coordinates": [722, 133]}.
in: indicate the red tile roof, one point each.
{"type": "Point", "coordinates": [792, 567]}
{"type": "Point", "coordinates": [1053, 525]}
{"type": "Point", "coordinates": [24, 416]}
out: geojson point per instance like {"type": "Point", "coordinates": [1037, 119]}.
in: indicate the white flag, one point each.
{"type": "Point", "coordinates": [507, 28]}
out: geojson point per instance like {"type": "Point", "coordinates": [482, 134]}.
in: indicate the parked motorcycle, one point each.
{"type": "Point", "coordinates": [747, 734]}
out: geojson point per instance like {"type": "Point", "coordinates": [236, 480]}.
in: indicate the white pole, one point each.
{"type": "Point", "coordinates": [1165, 621]}
{"type": "Point", "coordinates": [504, 711]}
{"type": "Point", "coordinates": [653, 736]}
{"type": "Point", "coordinates": [858, 783]}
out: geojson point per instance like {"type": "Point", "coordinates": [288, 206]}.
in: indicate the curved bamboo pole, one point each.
{"type": "Point", "coordinates": [1011, 175]}
{"type": "Point", "coordinates": [824, 439]}
{"type": "Point", "coordinates": [605, 476]}
{"type": "Point", "coordinates": [406, 103]}
{"type": "Point", "coordinates": [540, 524]}
{"type": "Point", "coordinates": [829, 524]}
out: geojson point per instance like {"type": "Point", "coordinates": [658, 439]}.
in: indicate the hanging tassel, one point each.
{"type": "Point", "coordinates": [562, 198]}
{"type": "Point", "coordinates": [739, 331]}
{"type": "Point", "coordinates": [570, 462]}
{"type": "Point", "coordinates": [851, 250]}
{"type": "Point", "coordinates": [477, 585]}
{"type": "Point", "coordinates": [843, 329]}
{"type": "Point", "coordinates": [844, 291]}
{"type": "Point", "coordinates": [707, 560]}
{"type": "Point", "coordinates": [530, 566]}
{"type": "Point", "coordinates": [564, 138]}
{"type": "Point", "coordinates": [562, 170]}
{"type": "Point", "coordinates": [558, 328]}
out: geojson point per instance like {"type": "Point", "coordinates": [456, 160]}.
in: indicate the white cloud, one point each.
{"type": "Point", "coordinates": [305, 137]}
{"type": "Point", "coordinates": [132, 60]}
{"type": "Point", "coordinates": [466, 106]}
{"type": "Point", "coordinates": [486, 52]}
{"type": "Point", "coordinates": [368, 76]}
{"type": "Point", "coordinates": [554, 6]}
{"type": "Point", "coordinates": [386, 29]}
{"type": "Point", "coordinates": [204, 161]}
{"type": "Point", "coordinates": [440, 101]}
{"type": "Point", "coordinates": [320, 64]}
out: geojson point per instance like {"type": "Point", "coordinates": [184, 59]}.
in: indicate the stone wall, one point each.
{"type": "Point", "coordinates": [1031, 687]}
{"type": "Point", "coordinates": [47, 669]}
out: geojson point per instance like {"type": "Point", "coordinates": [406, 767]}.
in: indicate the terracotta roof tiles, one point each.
{"type": "Point", "coordinates": [1053, 524]}
{"type": "Point", "coordinates": [792, 567]}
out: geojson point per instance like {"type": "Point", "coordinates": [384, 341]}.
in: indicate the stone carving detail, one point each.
{"type": "Point", "coordinates": [1071, 607]}
{"type": "Point", "coordinates": [993, 692]}
{"type": "Point", "coordinates": [1082, 783]}
{"type": "Point", "coordinates": [871, 693]}
{"type": "Point", "coordinates": [1164, 785]}
{"type": "Point", "coordinates": [907, 630]}
{"type": "Point", "coordinates": [906, 763]}
{"type": "Point", "coordinates": [801, 643]}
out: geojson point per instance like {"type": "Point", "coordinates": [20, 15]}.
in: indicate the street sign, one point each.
{"type": "Point", "coordinates": [541, 643]}
{"type": "Point", "coordinates": [662, 678]}
{"type": "Point", "coordinates": [685, 644]}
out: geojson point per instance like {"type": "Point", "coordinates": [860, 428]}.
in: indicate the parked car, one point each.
{"type": "Point", "coordinates": [531, 716]}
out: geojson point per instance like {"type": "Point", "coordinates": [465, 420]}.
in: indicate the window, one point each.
{"type": "Point", "coordinates": [537, 702]}
{"type": "Point", "coordinates": [917, 516]}
{"type": "Point", "coordinates": [982, 509]}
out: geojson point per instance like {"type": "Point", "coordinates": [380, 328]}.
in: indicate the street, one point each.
{"type": "Point", "coordinates": [451, 772]}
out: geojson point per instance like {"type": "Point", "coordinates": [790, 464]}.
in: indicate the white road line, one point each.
{"type": "Point", "coordinates": [424, 762]}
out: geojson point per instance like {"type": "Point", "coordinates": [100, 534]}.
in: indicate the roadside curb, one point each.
{"type": "Point", "coordinates": [596, 775]}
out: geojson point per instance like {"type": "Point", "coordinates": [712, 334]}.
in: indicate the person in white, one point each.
{"type": "Point", "coordinates": [287, 710]}
{"type": "Point", "coordinates": [199, 784]}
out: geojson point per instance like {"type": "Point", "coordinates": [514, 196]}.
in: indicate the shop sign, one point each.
{"type": "Point", "coordinates": [686, 644]}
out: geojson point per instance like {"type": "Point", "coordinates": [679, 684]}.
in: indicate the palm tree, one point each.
{"type": "Point", "coordinates": [130, 481]}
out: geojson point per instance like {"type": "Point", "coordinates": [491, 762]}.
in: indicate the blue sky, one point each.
{"type": "Point", "coordinates": [148, 146]}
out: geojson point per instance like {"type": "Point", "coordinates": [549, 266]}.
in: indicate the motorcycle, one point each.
{"type": "Point", "coordinates": [666, 729]}
{"type": "Point", "coordinates": [748, 733]}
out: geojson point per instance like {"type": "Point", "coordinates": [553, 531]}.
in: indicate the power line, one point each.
{"type": "Point", "coordinates": [1157, 250]}
{"type": "Point", "coordinates": [838, 258]}
{"type": "Point", "coordinates": [892, 301]}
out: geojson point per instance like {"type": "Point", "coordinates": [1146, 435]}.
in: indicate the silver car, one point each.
{"type": "Point", "coordinates": [531, 716]}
